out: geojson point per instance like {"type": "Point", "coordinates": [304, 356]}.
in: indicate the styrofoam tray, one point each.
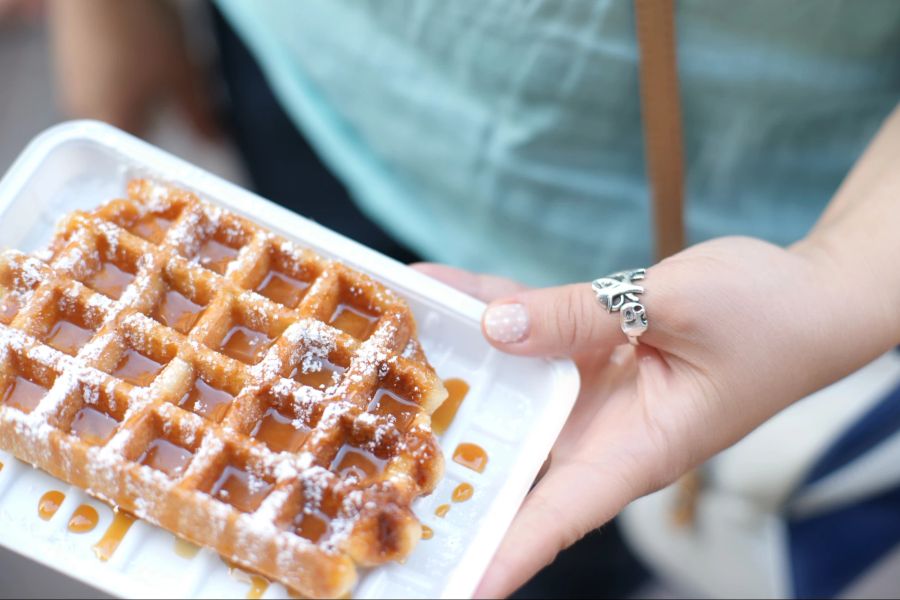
{"type": "Point", "coordinates": [514, 410]}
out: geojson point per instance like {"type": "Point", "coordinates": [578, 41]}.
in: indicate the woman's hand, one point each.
{"type": "Point", "coordinates": [738, 329]}
{"type": "Point", "coordinates": [118, 60]}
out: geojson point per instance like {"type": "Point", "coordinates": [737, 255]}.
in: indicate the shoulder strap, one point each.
{"type": "Point", "coordinates": [661, 112]}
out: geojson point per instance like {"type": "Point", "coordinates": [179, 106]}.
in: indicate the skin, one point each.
{"type": "Point", "coordinates": [120, 60]}
{"type": "Point", "coordinates": [739, 328]}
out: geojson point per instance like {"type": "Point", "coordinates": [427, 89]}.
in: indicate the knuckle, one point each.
{"type": "Point", "coordinates": [573, 322]}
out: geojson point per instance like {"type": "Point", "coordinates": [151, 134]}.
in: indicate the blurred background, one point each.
{"type": "Point", "coordinates": [29, 101]}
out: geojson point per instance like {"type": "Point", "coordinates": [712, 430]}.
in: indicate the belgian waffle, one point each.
{"type": "Point", "coordinates": [190, 367]}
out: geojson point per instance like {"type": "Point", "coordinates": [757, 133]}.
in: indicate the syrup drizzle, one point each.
{"type": "Point", "coordinates": [457, 389]}
{"type": "Point", "coordinates": [49, 504]}
{"type": "Point", "coordinates": [152, 228]}
{"type": "Point", "coordinates": [110, 280]}
{"type": "Point", "coordinates": [241, 489]}
{"type": "Point", "coordinates": [245, 344]}
{"type": "Point", "coordinates": [442, 510]}
{"type": "Point", "coordinates": [175, 310]}
{"type": "Point", "coordinates": [389, 404]}
{"type": "Point", "coordinates": [463, 492]}
{"type": "Point", "coordinates": [68, 337]}
{"type": "Point", "coordinates": [23, 394]}
{"type": "Point", "coordinates": [471, 456]}
{"type": "Point", "coordinates": [282, 288]}
{"type": "Point", "coordinates": [167, 457]}
{"type": "Point", "coordinates": [207, 401]}
{"type": "Point", "coordinates": [84, 519]}
{"type": "Point", "coordinates": [93, 426]}
{"type": "Point", "coordinates": [137, 369]}
{"type": "Point", "coordinates": [357, 464]}
{"type": "Point", "coordinates": [258, 584]}
{"type": "Point", "coordinates": [277, 431]}
{"type": "Point", "coordinates": [351, 320]}
{"type": "Point", "coordinates": [185, 549]}
{"type": "Point", "coordinates": [321, 379]}
{"type": "Point", "coordinates": [9, 306]}
{"type": "Point", "coordinates": [115, 533]}
{"type": "Point", "coordinates": [215, 256]}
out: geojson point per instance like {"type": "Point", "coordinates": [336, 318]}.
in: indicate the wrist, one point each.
{"type": "Point", "coordinates": [862, 287]}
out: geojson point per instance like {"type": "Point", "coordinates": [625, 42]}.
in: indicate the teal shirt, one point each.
{"type": "Point", "coordinates": [505, 136]}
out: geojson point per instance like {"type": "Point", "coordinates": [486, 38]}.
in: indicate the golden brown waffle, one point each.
{"type": "Point", "coordinates": [191, 368]}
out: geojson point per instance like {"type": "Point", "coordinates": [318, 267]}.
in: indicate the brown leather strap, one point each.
{"type": "Point", "coordinates": [661, 111]}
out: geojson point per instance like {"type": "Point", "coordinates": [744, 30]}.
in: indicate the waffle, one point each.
{"type": "Point", "coordinates": [251, 396]}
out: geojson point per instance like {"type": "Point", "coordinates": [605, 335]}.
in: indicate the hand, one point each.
{"type": "Point", "coordinates": [26, 11]}
{"type": "Point", "coordinates": [737, 331]}
{"type": "Point", "coordinates": [118, 60]}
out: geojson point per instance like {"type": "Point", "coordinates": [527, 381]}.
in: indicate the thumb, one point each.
{"type": "Point", "coordinates": [560, 321]}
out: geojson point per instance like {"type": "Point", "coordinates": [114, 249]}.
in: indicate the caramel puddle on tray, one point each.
{"type": "Point", "coordinates": [462, 492]}
{"type": "Point", "coordinates": [84, 519]}
{"type": "Point", "coordinates": [442, 510]}
{"type": "Point", "coordinates": [471, 456]}
{"type": "Point", "coordinates": [115, 533]}
{"type": "Point", "coordinates": [427, 532]}
{"type": "Point", "coordinates": [457, 389]}
{"type": "Point", "coordinates": [49, 504]}
{"type": "Point", "coordinates": [185, 549]}
{"type": "Point", "coordinates": [258, 583]}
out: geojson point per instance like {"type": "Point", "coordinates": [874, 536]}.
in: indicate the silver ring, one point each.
{"type": "Point", "coordinates": [618, 293]}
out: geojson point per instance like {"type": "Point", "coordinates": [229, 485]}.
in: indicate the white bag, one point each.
{"type": "Point", "coordinates": [808, 505]}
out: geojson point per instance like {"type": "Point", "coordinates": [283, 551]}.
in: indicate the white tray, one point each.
{"type": "Point", "coordinates": [514, 410]}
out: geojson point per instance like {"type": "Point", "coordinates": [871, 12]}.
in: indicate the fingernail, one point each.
{"type": "Point", "coordinates": [506, 323]}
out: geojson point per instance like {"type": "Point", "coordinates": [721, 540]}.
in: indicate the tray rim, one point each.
{"type": "Point", "coordinates": [512, 490]}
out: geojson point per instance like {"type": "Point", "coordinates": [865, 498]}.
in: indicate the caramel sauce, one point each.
{"type": "Point", "coordinates": [258, 583]}
{"type": "Point", "coordinates": [177, 312]}
{"type": "Point", "coordinates": [165, 456]}
{"type": "Point", "coordinates": [84, 519]}
{"type": "Point", "coordinates": [9, 306]}
{"type": "Point", "coordinates": [282, 288]}
{"type": "Point", "coordinates": [93, 426]}
{"type": "Point", "coordinates": [427, 532]}
{"type": "Point", "coordinates": [23, 394]}
{"type": "Point", "coordinates": [240, 489]}
{"type": "Point", "coordinates": [185, 549]}
{"type": "Point", "coordinates": [115, 533]}
{"type": "Point", "coordinates": [110, 280]}
{"type": "Point", "coordinates": [446, 412]}
{"type": "Point", "coordinates": [462, 492]}
{"type": "Point", "coordinates": [215, 256]}
{"type": "Point", "coordinates": [321, 379]}
{"type": "Point", "coordinates": [471, 456]}
{"type": "Point", "coordinates": [1, 466]}
{"type": "Point", "coordinates": [351, 320]}
{"type": "Point", "coordinates": [442, 510]}
{"type": "Point", "coordinates": [152, 228]}
{"type": "Point", "coordinates": [245, 345]}
{"type": "Point", "coordinates": [137, 369]}
{"type": "Point", "coordinates": [207, 401]}
{"type": "Point", "coordinates": [277, 431]}
{"type": "Point", "coordinates": [68, 337]}
{"type": "Point", "coordinates": [387, 403]}
{"type": "Point", "coordinates": [49, 504]}
{"type": "Point", "coordinates": [311, 526]}
{"type": "Point", "coordinates": [357, 464]}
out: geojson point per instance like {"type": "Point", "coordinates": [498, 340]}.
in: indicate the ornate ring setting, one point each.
{"type": "Point", "coordinates": [618, 293]}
